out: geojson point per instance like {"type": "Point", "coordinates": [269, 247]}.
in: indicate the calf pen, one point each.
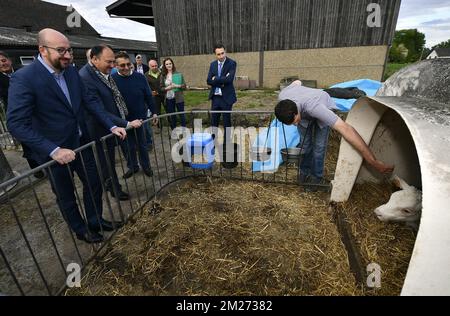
{"type": "Point", "coordinates": [217, 231]}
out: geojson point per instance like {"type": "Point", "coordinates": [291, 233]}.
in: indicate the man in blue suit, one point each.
{"type": "Point", "coordinates": [96, 76]}
{"type": "Point", "coordinates": [223, 96]}
{"type": "Point", "coordinates": [47, 103]}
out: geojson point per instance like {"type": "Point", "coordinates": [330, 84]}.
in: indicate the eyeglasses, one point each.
{"type": "Point", "coordinates": [124, 65]}
{"type": "Point", "coordinates": [61, 50]}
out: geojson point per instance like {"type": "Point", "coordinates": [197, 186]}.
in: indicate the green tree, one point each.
{"type": "Point", "coordinates": [426, 51]}
{"type": "Point", "coordinates": [398, 54]}
{"type": "Point", "coordinates": [411, 40]}
{"type": "Point", "coordinates": [443, 45]}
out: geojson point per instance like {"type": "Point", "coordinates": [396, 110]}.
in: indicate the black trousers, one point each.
{"type": "Point", "coordinates": [62, 185]}
{"type": "Point", "coordinates": [109, 178]}
{"type": "Point", "coordinates": [159, 101]}
{"type": "Point", "coordinates": [219, 104]}
{"type": "Point", "coordinates": [345, 93]}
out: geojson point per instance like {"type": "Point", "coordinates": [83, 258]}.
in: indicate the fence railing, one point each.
{"type": "Point", "coordinates": [39, 247]}
{"type": "Point", "coordinates": [6, 140]}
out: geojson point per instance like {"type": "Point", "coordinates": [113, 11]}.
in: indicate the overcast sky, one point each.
{"type": "Point", "coordinates": [431, 17]}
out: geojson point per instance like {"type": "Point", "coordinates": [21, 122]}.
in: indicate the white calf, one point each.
{"type": "Point", "coordinates": [404, 205]}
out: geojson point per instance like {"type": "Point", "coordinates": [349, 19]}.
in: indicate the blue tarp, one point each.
{"type": "Point", "coordinates": [283, 136]}
{"type": "Point", "coordinates": [280, 136]}
{"type": "Point", "coordinates": [368, 86]}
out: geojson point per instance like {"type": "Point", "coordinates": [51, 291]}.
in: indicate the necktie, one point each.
{"type": "Point", "coordinates": [220, 69]}
{"type": "Point", "coordinates": [219, 73]}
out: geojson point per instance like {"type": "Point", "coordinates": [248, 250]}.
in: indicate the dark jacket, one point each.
{"type": "Point", "coordinates": [144, 67]}
{"type": "Point", "coordinates": [41, 117]}
{"type": "Point", "coordinates": [137, 95]}
{"type": "Point", "coordinates": [4, 86]}
{"type": "Point", "coordinates": [103, 93]}
{"type": "Point", "coordinates": [155, 83]}
{"type": "Point", "coordinates": [225, 81]}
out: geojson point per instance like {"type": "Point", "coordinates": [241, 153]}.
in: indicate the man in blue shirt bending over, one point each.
{"type": "Point", "coordinates": [137, 95]}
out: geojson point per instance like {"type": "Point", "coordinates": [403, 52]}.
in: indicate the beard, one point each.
{"type": "Point", "coordinates": [60, 63]}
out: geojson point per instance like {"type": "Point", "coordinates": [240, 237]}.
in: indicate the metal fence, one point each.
{"type": "Point", "coordinates": [38, 247]}
{"type": "Point", "coordinates": [6, 140]}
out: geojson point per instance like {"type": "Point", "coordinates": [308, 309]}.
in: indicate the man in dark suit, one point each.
{"type": "Point", "coordinates": [139, 66]}
{"type": "Point", "coordinates": [47, 103]}
{"type": "Point", "coordinates": [96, 76]}
{"type": "Point", "coordinates": [220, 78]}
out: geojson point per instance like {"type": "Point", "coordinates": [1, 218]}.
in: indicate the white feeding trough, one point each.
{"type": "Point", "coordinates": [408, 124]}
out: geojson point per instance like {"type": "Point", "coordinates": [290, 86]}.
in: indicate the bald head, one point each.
{"type": "Point", "coordinates": [49, 37]}
{"type": "Point", "coordinates": [153, 64]}
{"type": "Point", "coordinates": [55, 49]}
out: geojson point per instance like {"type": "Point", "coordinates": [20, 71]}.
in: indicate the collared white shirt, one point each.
{"type": "Point", "coordinates": [59, 77]}
{"type": "Point", "coordinates": [131, 72]}
{"type": "Point", "coordinates": [140, 69]}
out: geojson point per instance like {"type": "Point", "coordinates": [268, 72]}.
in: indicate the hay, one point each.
{"type": "Point", "coordinates": [222, 237]}
{"type": "Point", "coordinates": [390, 245]}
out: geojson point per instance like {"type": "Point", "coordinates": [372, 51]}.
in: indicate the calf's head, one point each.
{"type": "Point", "coordinates": [404, 205]}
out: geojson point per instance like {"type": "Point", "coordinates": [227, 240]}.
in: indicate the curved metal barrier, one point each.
{"type": "Point", "coordinates": [40, 254]}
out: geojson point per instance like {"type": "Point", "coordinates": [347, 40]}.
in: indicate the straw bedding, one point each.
{"type": "Point", "coordinates": [222, 237]}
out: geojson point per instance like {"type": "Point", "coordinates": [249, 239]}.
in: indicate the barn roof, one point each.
{"type": "Point", "coordinates": [138, 10]}
{"type": "Point", "coordinates": [20, 37]}
{"type": "Point", "coordinates": [35, 15]}
{"type": "Point", "coordinates": [443, 52]}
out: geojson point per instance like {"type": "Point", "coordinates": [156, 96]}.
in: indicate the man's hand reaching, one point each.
{"type": "Point", "coordinates": [155, 120]}
{"type": "Point", "coordinates": [120, 131]}
{"type": "Point", "coordinates": [382, 167]}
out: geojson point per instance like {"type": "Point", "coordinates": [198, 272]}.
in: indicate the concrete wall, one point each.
{"type": "Point", "coordinates": [328, 65]}
{"type": "Point", "coordinates": [195, 68]}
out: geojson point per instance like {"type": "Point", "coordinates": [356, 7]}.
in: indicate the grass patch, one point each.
{"type": "Point", "coordinates": [393, 68]}
{"type": "Point", "coordinates": [257, 93]}
{"type": "Point", "coordinates": [196, 98]}
{"type": "Point", "coordinates": [193, 98]}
